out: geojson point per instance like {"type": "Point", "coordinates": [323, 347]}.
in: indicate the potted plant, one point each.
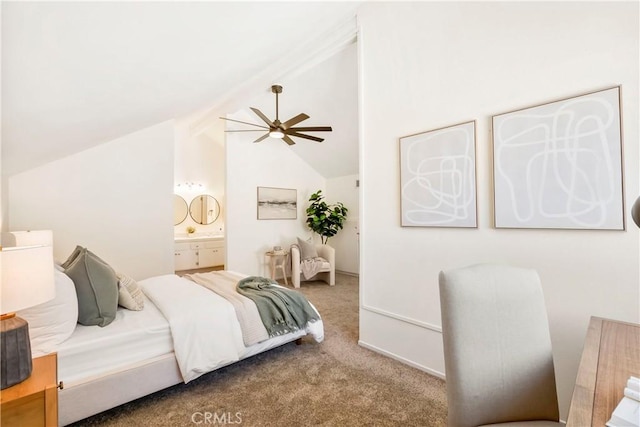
{"type": "Point", "coordinates": [325, 219]}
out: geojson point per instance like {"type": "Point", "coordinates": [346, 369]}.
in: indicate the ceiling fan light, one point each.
{"type": "Point", "coordinates": [276, 134]}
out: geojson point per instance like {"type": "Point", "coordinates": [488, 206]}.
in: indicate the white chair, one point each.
{"type": "Point", "coordinates": [326, 273]}
{"type": "Point", "coordinates": [497, 348]}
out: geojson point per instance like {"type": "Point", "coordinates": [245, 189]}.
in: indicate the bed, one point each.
{"type": "Point", "coordinates": [184, 331]}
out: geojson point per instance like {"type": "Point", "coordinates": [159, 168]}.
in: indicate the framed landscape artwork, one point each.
{"type": "Point", "coordinates": [438, 177]}
{"type": "Point", "coordinates": [559, 165]}
{"type": "Point", "coordinates": [277, 203]}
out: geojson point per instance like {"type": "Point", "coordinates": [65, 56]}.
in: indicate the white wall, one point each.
{"type": "Point", "coordinates": [432, 64]}
{"type": "Point", "coordinates": [3, 178]}
{"type": "Point", "coordinates": [4, 203]}
{"type": "Point", "coordinates": [269, 163]}
{"type": "Point", "coordinates": [115, 199]}
{"type": "Point", "coordinates": [343, 189]}
{"type": "Point", "coordinates": [199, 159]}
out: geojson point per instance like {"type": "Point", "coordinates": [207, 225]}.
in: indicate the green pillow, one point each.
{"type": "Point", "coordinates": [72, 257]}
{"type": "Point", "coordinates": [97, 288]}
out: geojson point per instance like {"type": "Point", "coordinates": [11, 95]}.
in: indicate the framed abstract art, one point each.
{"type": "Point", "coordinates": [438, 177]}
{"type": "Point", "coordinates": [559, 165]}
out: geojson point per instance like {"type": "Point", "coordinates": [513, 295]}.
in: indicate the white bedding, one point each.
{"type": "Point", "coordinates": [195, 315]}
{"type": "Point", "coordinates": [133, 337]}
{"type": "Point", "coordinates": [253, 331]}
{"type": "Point", "coordinates": [315, 329]}
{"type": "Point", "coordinates": [204, 328]}
{"type": "Point", "coordinates": [224, 284]}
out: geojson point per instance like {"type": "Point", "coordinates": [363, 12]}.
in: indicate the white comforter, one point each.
{"type": "Point", "coordinates": [204, 328]}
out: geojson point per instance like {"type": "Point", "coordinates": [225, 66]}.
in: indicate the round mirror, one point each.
{"type": "Point", "coordinates": [204, 209]}
{"type": "Point", "coordinates": [180, 209]}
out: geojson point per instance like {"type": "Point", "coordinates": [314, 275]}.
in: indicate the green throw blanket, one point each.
{"type": "Point", "coordinates": [281, 310]}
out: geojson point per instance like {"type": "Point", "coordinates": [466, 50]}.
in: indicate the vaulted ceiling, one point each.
{"type": "Point", "coordinates": [77, 74]}
{"type": "Point", "coordinates": [328, 93]}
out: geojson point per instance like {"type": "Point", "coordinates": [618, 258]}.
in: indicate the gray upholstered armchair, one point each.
{"type": "Point", "coordinates": [497, 348]}
{"type": "Point", "coordinates": [326, 270]}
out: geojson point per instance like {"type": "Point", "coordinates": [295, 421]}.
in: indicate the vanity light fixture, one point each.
{"type": "Point", "coordinates": [189, 186]}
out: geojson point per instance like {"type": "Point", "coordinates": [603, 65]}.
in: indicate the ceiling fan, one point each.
{"type": "Point", "coordinates": [277, 129]}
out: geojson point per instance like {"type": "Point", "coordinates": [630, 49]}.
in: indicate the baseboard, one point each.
{"type": "Point", "coordinates": [347, 273]}
{"type": "Point", "coordinates": [402, 359]}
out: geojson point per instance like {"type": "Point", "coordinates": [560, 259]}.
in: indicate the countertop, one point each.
{"type": "Point", "coordinates": [195, 237]}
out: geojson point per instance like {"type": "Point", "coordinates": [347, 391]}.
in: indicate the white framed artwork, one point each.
{"type": "Point", "coordinates": [277, 203]}
{"type": "Point", "coordinates": [438, 177]}
{"type": "Point", "coordinates": [559, 165]}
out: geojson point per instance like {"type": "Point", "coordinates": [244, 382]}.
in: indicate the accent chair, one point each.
{"type": "Point", "coordinates": [497, 348]}
{"type": "Point", "coordinates": [327, 271]}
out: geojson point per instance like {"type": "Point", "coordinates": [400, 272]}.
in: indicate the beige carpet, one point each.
{"type": "Point", "coordinates": [335, 383]}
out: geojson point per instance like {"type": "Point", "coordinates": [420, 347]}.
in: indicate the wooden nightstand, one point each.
{"type": "Point", "coordinates": [33, 402]}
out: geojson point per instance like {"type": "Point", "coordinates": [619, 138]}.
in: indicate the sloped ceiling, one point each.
{"type": "Point", "coordinates": [76, 74]}
{"type": "Point", "coordinates": [328, 93]}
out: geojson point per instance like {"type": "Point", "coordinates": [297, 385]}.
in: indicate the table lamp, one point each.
{"type": "Point", "coordinates": [26, 265]}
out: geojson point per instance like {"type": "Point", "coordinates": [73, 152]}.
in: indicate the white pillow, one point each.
{"type": "Point", "coordinates": [52, 322]}
{"type": "Point", "coordinates": [129, 293]}
{"type": "Point", "coordinates": [307, 250]}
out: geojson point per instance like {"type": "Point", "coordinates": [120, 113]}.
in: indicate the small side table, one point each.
{"type": "Point", "coordinates": [33, 402]}
{"type": "Point", "coordinates": [278, 260]}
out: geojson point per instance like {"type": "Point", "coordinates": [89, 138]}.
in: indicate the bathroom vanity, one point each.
{"type": "Point", "coordinates": [198, 251]}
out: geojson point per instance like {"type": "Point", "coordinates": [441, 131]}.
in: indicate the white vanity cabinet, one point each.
{"type": "Point", "coordinates": [192, 252]}
{"type": "Point", "coordinates": [185, 258]}
{"type": "Point", "coordinates": [210, 253]}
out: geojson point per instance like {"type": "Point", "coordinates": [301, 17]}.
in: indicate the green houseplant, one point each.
{"type": "Point", "coordinates": [325, 219]}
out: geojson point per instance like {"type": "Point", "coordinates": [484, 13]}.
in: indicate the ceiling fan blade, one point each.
{"type": "Point", "coordinates": [246, 123]}
{"type": "Point", "coordinates": [265, 136]}
{"type": "Point", "coordinates": [312, 129]}
{"type": "Point", "coordinates": [299, 135]}
{"type": "Point", "coordinates": [245, 130]}
{"type": "Point", "coordinates": [288, 140]}
{"type": "Point", "coordinates": [295, 120]}
{"type": "Point", "coordinates": [262, 116]}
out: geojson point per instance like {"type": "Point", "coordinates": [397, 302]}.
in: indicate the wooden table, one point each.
{"type": "Point", "coordinates": [610, 356]}
{"type": "Point", "coordinates": [278, 260]}
{"type": "Point", "coordinates": [33, 402]}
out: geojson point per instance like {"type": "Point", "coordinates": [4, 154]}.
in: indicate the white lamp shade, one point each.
{"type": "Point", "coordinates": [27, 276]}
{"type": "Point", "coordinates": [27, 238]}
